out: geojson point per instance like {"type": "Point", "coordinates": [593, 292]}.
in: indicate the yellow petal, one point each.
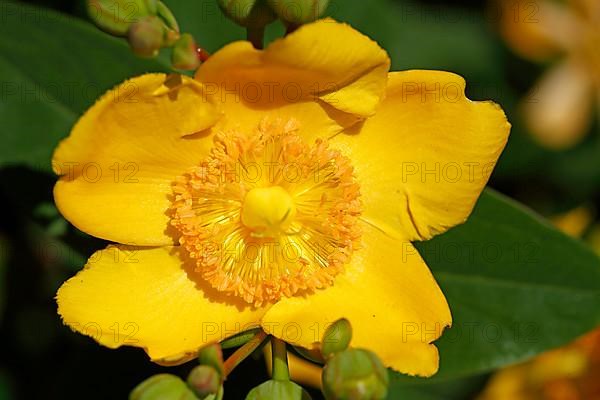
{"type": "Point", "coordinates": [589, 9]}
{"type": "Point", "coordinates": [424, 158]}
{"type": "Point", "coordinates": [325, 60]}
{"type": "Point", "coordinates": [313, 120]}
{"type": "Point", "coordinates": [147, 297]}
{"type": "Point", "coordinates": [118, 163]}
{"type": "Point", "coordinates": [538, 29]}
{"type": "Point", "coordinates": [389, 296]}
{"type": "Point", "coordinates": [559, 109]}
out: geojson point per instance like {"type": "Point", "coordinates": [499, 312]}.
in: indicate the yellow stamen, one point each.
{"type": "Point", "coordinates": [266, 215]}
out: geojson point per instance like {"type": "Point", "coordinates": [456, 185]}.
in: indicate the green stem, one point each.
{"type": "Point", "coordinates": [256, 36]}
{"type": "Point", "coordinates": [240, 339]}
{"type": "Point", "coordinates": [281, 371]}
{"type": "Point", "coordinates": [240, 354]}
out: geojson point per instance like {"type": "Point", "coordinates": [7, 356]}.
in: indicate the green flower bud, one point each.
{"type": "Point", "coordinates": [217, 396]}
{"type": "Point", "coordinates": [212, 356]}
{"type": "Point", "coordinates": [298, 12]}
{"type": "Point", "coordinates": [278, 390]}
{"type": "Point", "coordinates": [167, 16]}
{"type": "Point", "coordinates": [116, 16]}
{"type": "Point", "coordinates": [355, 374]}
{"type": "Point", "coordinates": [337, 338]}
{"type": "Point", "coordinates": [185, 53]}
{"type": "Point", "coordinates": [248, 13]}
{"type": "Point", "coordinates": [146, 36]}
{"type": "Point", "coordinates": [204, 381]}
{"type": "Point", "coordinates": [160, 387]}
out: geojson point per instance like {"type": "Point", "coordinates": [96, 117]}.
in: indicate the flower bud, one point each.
{"type": "Point", "coordinates": [167, 16]}
{"type": "Point", "coordinates": [298, 12]}
{"type": "Point", "coordinates": [146, 36]}
{"type": "Point", "coordinates": [185, 53]}
{"type": "Point", "coordinates": [212, 356]}
{"type": "Point", "coordinates": [160, 387]}
{"type": "Point", "coordinates": [355, 374]}
{"type": "Point", "coordinates": [116, 16]}
{"type": "Point", "coordinates": [204, 381]}
{"type": "Point", "coordinates": [248, 13]}
{"type": "Point", "coordinates": [278, 390]}
{"type": "Point", "coordinates": [337, 338]}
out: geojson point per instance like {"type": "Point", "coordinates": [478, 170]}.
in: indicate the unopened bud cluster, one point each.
{"type": "Point", "coordinates": [350, 374]}
{"type": "Point", "coordinates": [204, 382]}
{"type": "Point", "coordinates": [278, 390]}
{"type": "Point", "coordinates": [149, 26]}
{"type": "Point", "coordinates": [259, 13]}
{"type": "Point", "coordinates": [160, 387]}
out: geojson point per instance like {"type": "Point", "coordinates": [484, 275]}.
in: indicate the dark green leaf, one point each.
{"type": "Point", "coordinates": [516, 287]}
{"type": "Point", "coordinates": [53, 67]}
{"type": "Point", "coordinates": [458, 389]}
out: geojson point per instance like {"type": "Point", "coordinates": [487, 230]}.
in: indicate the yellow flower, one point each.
{"type": "Point", "coordinates": [559, 110]}
{"type": "Point", "coordinates": [574, 222]}
{"type": "Point", "coordinates": [567, 373]}
{"type": "Point", "coordinates": [279, 188]}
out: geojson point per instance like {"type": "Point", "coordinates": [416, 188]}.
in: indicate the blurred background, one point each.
{"type": "Point", "coordinates": [551, 164]}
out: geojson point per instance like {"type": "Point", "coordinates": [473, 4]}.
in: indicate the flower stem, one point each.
{"type": "Point", "coordinates": [255, 35]}
{"type": "Point", "coordinates": [240, 339]}
{"type": "Point", "coordinates": [240, 354]}
{"type": "Point", "coordinates": [281, 371]}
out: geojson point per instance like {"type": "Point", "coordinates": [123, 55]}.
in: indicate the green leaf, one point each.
{"type": "Point", "coordinates": [53, 67]}
{"type": "Point", "coordinates": [458, 389]}
{"type": "Point", "coordinates": [516, 287]}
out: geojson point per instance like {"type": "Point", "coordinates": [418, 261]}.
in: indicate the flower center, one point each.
{"type": "Point", "coordinates": [266, 215]}
{"type": "Point", "coordinates": [267, 211]}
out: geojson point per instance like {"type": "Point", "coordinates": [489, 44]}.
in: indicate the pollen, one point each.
{"type": "Point", "coordinates": [267, 215]}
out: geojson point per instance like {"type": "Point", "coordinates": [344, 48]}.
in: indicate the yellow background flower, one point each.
{"type": "Point", "coordinates": [568, 373]}
{"type": "Point", "coordinates": [321, 95]}
{"type": "Point", "coordinates": [559, 110]}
